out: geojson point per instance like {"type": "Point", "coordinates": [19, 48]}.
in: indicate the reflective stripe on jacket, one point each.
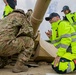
{"type": "Point", "coordinates": [71, 17]}
{"type": "Point", "coordinates": [63, 36]}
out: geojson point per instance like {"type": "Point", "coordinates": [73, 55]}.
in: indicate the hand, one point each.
{"type": "Point", "coordinates": [49, 33]}
{"type": "Point", "coordinates": [6, 3]}
{"type": "Point", "coordinates": [56, 61]}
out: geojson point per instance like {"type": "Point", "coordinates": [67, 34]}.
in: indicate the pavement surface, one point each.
{"type": "Point", "coordinates": [40, 70]}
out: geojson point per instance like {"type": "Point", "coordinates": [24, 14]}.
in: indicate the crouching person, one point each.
{"type": "Point", "coordinates": [63, 36]}
{"type": "Point", "coordinates": [16, 36]}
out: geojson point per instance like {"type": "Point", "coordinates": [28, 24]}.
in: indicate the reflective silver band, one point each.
{"type": "Point", "coordinates": [65, 36]}
{"type": "Point", "coordinates": [73, 23]}
{"type": "Point", "coordinates": [62, 45]}
{"type": "Point", "coordinates": [69, 68]}
{"type": "Point", "coordinates": [74, 40]}
{"type": "Point", "coordinates": [73, 34]}
{"type": "Point", "coordinates": [55, 41]}
{"type": "Point", "coordinates": [57, 46]}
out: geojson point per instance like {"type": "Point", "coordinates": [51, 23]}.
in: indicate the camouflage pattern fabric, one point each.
{"type": "Point", "coordinates": [16, 36]}
{"type": "Point", "coordinates": [29, 12]}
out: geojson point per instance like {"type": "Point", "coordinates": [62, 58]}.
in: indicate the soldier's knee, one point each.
{"type": "Point", "coordinates": [30, 44]}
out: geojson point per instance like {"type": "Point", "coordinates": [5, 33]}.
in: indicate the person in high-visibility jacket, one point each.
{"type": "Point", "coordinates": [63, 36]}
{"type": "Point", "coordinates": [9, 6]}
{"type": "Point", "coordinates": [69, 16]}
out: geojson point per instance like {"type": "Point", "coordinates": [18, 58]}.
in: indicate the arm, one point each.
{"type": "Point", "coordinates": [5, 1]}
{"type": "Point", "coordinates": [64, 33]}
{"type": "Point", "coordinates": [49, 34]}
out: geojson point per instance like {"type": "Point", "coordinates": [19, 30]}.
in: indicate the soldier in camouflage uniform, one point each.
{"type": "Point", "coordinates": [16, 36]}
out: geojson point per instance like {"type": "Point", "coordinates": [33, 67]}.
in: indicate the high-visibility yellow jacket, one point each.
{"type": "Point", "coordinates": [7, 10]}
{"type": "Point", "coordinates": [71, 17]}
{"type": "Point", "coordinates": [64, 36]}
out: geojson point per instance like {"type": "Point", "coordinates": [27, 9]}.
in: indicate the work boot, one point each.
{"type": "Point", "coordinates": [19, 67]}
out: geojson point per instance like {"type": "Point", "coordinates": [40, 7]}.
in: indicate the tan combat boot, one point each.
{"type": "Point", "coordinates": [19, 67]}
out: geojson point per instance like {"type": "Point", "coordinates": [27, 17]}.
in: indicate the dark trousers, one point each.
{"type": "Point", "coordinates": [57, 68]}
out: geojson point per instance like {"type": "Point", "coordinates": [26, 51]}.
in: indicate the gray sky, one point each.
{"type": "Point", "coordinates": [55, 6]}
{"type": "Point", "coordinates": [21, 4]}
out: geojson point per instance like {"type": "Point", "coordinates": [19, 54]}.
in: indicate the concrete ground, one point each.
{"type": "Point", "coordinates": [41, 70]}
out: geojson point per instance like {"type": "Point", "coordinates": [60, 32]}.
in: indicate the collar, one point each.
{"type": "Point", "coordinates": [55, 24]}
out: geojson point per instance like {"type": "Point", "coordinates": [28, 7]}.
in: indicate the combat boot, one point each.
{"type": "Point", "coordinates": [19, 67]}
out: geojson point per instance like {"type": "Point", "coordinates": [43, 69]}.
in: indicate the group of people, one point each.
{"type": "Point", "coordinates": [63, 36]}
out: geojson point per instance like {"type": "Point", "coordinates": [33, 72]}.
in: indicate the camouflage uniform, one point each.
{"type": "Point", "coordinates": [29, 12]}
{"type": "Point", "coordinates": [16, 36]}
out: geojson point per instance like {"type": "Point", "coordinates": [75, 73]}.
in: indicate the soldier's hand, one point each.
{"type": "Point", "coordinates": [56, 61]}
{"type": "Point", "coordinates": [49, 33]}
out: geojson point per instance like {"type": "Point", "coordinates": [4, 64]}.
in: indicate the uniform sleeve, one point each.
{"type": "Point", "coordinates": [64, 34]}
